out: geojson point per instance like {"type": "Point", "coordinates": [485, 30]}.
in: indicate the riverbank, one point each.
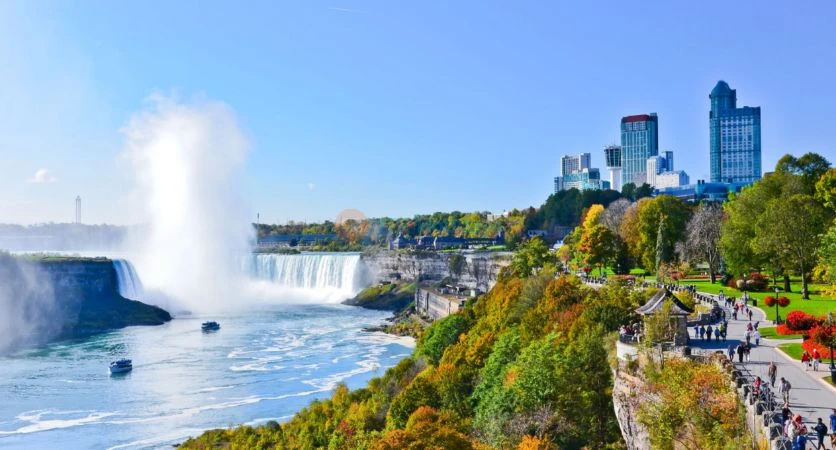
{"type": "Point", "coordinates": [397, 298]}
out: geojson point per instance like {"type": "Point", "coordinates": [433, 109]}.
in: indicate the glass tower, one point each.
{"type": "Point", "coordinates": [735, 138]}
{"type": "Point", "coordinates": [639, 141]}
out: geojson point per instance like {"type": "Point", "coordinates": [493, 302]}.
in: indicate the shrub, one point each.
{"type": "Point", "coordinates": [810, 344]}
{"type": "Point", "coordinates": [757, 282]}
{"type": "Point", "coordinates": [799, 320]}
{"type": "Point", "coordinates": [783, 302]}
{"type": "Point", "coordinates": [769, 301]}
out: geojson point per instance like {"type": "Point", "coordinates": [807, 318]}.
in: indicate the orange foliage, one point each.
{"type": "Point", "coordinates": [533, 443]}
{"type": "Point", "coordinates": [426, 429]}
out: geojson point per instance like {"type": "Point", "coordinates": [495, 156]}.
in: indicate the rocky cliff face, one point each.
{"type": "Point", "coordinates": [626, 399]}
{"type": "Point", "coordinates": [49, 299]}
{"type": "Point", "coordinates": [478, 269]}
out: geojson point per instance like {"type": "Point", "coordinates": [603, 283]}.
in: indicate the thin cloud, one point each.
{"type": "Point", "coordinates": [346, 10]}
{"type": "Point", "coordinates": [311, 186]}
{"type": "Point", "coordinates": [42, 176]}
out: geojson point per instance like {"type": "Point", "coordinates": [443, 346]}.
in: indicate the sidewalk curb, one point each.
{"type": "Point", "coordinates": [820, 380]}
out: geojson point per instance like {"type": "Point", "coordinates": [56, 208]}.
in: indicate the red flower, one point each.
{"type": "Point", "coordinates": [769, 301]}
{"type": "Point", "coordinates": [783, 302]}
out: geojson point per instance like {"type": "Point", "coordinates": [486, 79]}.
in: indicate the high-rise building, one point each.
{"type": "Point", "coordinates": [612, 154]}
{"type": "Point", "coordinates": [575, 172]}
{"type": "Point", "coordinates": [735, 138]}
{"type": "Point", "coordinates": [639, 141]}
{"type": "Point", "coordinates": [575, 163]}
{"type": "Point", "coordinates": [657, 165]}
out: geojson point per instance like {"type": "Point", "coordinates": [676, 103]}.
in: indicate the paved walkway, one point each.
{"type": "Point", "coordinates": [808, 396]}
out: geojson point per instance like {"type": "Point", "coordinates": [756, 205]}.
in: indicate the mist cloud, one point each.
{"type": "Point", "coordinates": [188, 160]}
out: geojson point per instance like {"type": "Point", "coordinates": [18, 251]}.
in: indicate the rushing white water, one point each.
{"type": "Point", "coordinates": [334, 276]}
{"type": "Point", "coordinates": [130, 286]}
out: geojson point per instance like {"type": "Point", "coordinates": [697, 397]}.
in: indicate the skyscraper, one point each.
{"type": "Point", "coordinates": [575, 163]}
{"type": "Point", "coordinates": [639, 141]}
{"type": "Point", "coordinates": [612, 154]}
{"type": "Point", "coordinates": [735, 138]}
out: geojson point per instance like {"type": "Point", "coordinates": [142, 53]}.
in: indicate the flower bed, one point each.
{"type": "Point", "coordinates": [810, 344]}
{"type": "Point", "coordinates": [798, 322]}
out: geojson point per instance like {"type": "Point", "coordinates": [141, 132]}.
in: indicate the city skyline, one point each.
{"type": "Point", "coordinates": [339, 102]}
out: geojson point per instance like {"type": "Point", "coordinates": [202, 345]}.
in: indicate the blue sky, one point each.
{"type": "Point", "coordinates": [396, 108]}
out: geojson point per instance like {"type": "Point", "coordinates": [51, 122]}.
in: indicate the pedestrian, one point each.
{"type": "Point", "coordinates": [757, 337]}
{"type": "Point", "coordinates": [731, 358]}
{"type": "Point", "coordinates": [821, 432]}
{"type": "Point", "coordinates": [816, 359]}
{"type": "Point", "coordinates": [756, 324]}
{"type": "Point", "coordinates": [747, 350]}
{"type": "Point", "coordinates": [786, 413]}
{"type": "Point", "coordinates": [750, 314]}
{"type": "Point", "coordinates": [748, 337]}
{"type": "Point", "coordinates": [708, 332]}
{"type": "Point", "coordinates": [772, 371]}
{"type": "Point", "coordinates": [805, 359]}
{"type": "Point", "coordinates": [800, 442]}
{"type": "Point", "coordinates": [785, 390]}
{"type": "Point", "coordinates": [756, 387]}
{"type": "Point", "coordinates": [702, 332]}
{"type": "Point", "coordinates": [740, 352]}
{"type": "Point", "coordinates": [833, 429]}
{"type": "Point", "coordinates": [696, 331]}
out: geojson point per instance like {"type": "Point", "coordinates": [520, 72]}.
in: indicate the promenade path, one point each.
{"type": "Point", "coordinates": [809, 395]}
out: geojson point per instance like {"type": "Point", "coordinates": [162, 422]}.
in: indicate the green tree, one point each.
{"type": "Point", "coordinates": [826, 189]}
{"type": "Point", "coordinates": [809, 166]}
{"type": "Point", "coordinates": [791, 228]}
{"type": "Point", "coordinates": [533, 254]}
{"type": "Point", "coordinates": [674, 212]}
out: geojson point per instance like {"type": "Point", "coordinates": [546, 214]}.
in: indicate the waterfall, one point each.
{"type": "Point", "coordinates": [339, 273]}
{"type": "Point", "coordinates": [130, 286]}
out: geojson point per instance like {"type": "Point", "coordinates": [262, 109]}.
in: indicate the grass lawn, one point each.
{"type": "Point", "coordinates": [793, 350]}
{"type": "Point", "coordinates": [770, 333]}
{"type": "Point", "coordinates": [818, 305]}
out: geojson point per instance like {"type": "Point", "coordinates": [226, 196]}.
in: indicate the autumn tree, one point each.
{"type": "Point", "coordinates": [702, 242]}
{"type": "Point", "coordinates": [532, 255]}
{"type": "Point", "coordinates": [673, 212]}
{"type": "Point", "coordinates": [597, 244]}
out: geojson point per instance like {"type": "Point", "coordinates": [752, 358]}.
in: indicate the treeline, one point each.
{"type": "Point", "coordinates": [563, 209]}
{"type": "Point", "coordinates": [525, 366]}
{"type": "Point", "coordinates": [783, 225]}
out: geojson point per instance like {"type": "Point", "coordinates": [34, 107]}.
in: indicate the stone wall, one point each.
{"type": "Point", "coordinates": [434, 305]}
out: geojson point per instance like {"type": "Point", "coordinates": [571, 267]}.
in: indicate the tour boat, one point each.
{"type": "Point", "coordinates": [121, 366]}
{"type": "Point", "coordinates": [210, 326]}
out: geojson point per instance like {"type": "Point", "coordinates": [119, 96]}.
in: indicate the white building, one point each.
{"type": "Point", "coordinates": [673, 178]}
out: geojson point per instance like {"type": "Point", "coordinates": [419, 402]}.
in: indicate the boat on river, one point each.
{"type": "Point", "coordinates": [121, 366]}
{"type": "Point", "coordinates": [210, 326]}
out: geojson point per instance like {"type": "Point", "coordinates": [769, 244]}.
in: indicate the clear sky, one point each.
{"type": "Point", "coordinates": [393, 107]}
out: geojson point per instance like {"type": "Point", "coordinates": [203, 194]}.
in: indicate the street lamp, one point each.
{"type": "Point", "coordinates": [830, 341]}
{"type": "Point", "coordinates": [777, 316]}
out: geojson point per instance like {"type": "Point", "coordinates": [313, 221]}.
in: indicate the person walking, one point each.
{"type": "Point", "coordinates": [702, 332]}
{"type": "Point", "coordinates": [757, 336]}
{"type": "Point", "coordinates": [821, 432]}
{"type": "Point", "coordinates": [816, 359]}
{"type": "Point", "coordinates": [708, 332]}
{"type": "Point", "coordinates": [786, 413]}
{"type": "Point", "coordinates": [785, 391]}
{"type": "Point", "coordinates": [748, 337]}
{"type": "Point", "coordinates": [717, 334]}
{"type": "Point", "coordinates": [747, 350]}
{"type": "Point", "coordinates": [805, 359]}
{"type": "Point", "coordinates": [696, 331]}
{"type": "Point", "coordinates": [740, 352]}
{"type": "Point", "coordinates": [750, 314]}
{"type": "Point", "coordinates": [772, 371]}
{"type": "Point", "coordinates": [833, 429]}
{"type": "Point", "coordinates": [731, 358]}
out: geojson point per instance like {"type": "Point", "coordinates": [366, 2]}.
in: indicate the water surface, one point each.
{"type": "Point", "coordinates": [263, 364]}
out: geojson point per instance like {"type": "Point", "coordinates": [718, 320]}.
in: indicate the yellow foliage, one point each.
{"type": "Point", "coordinates": [592, 216]}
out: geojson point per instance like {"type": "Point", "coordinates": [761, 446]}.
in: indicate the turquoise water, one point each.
{"type": "Point", "coordinates": [263, 364]}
